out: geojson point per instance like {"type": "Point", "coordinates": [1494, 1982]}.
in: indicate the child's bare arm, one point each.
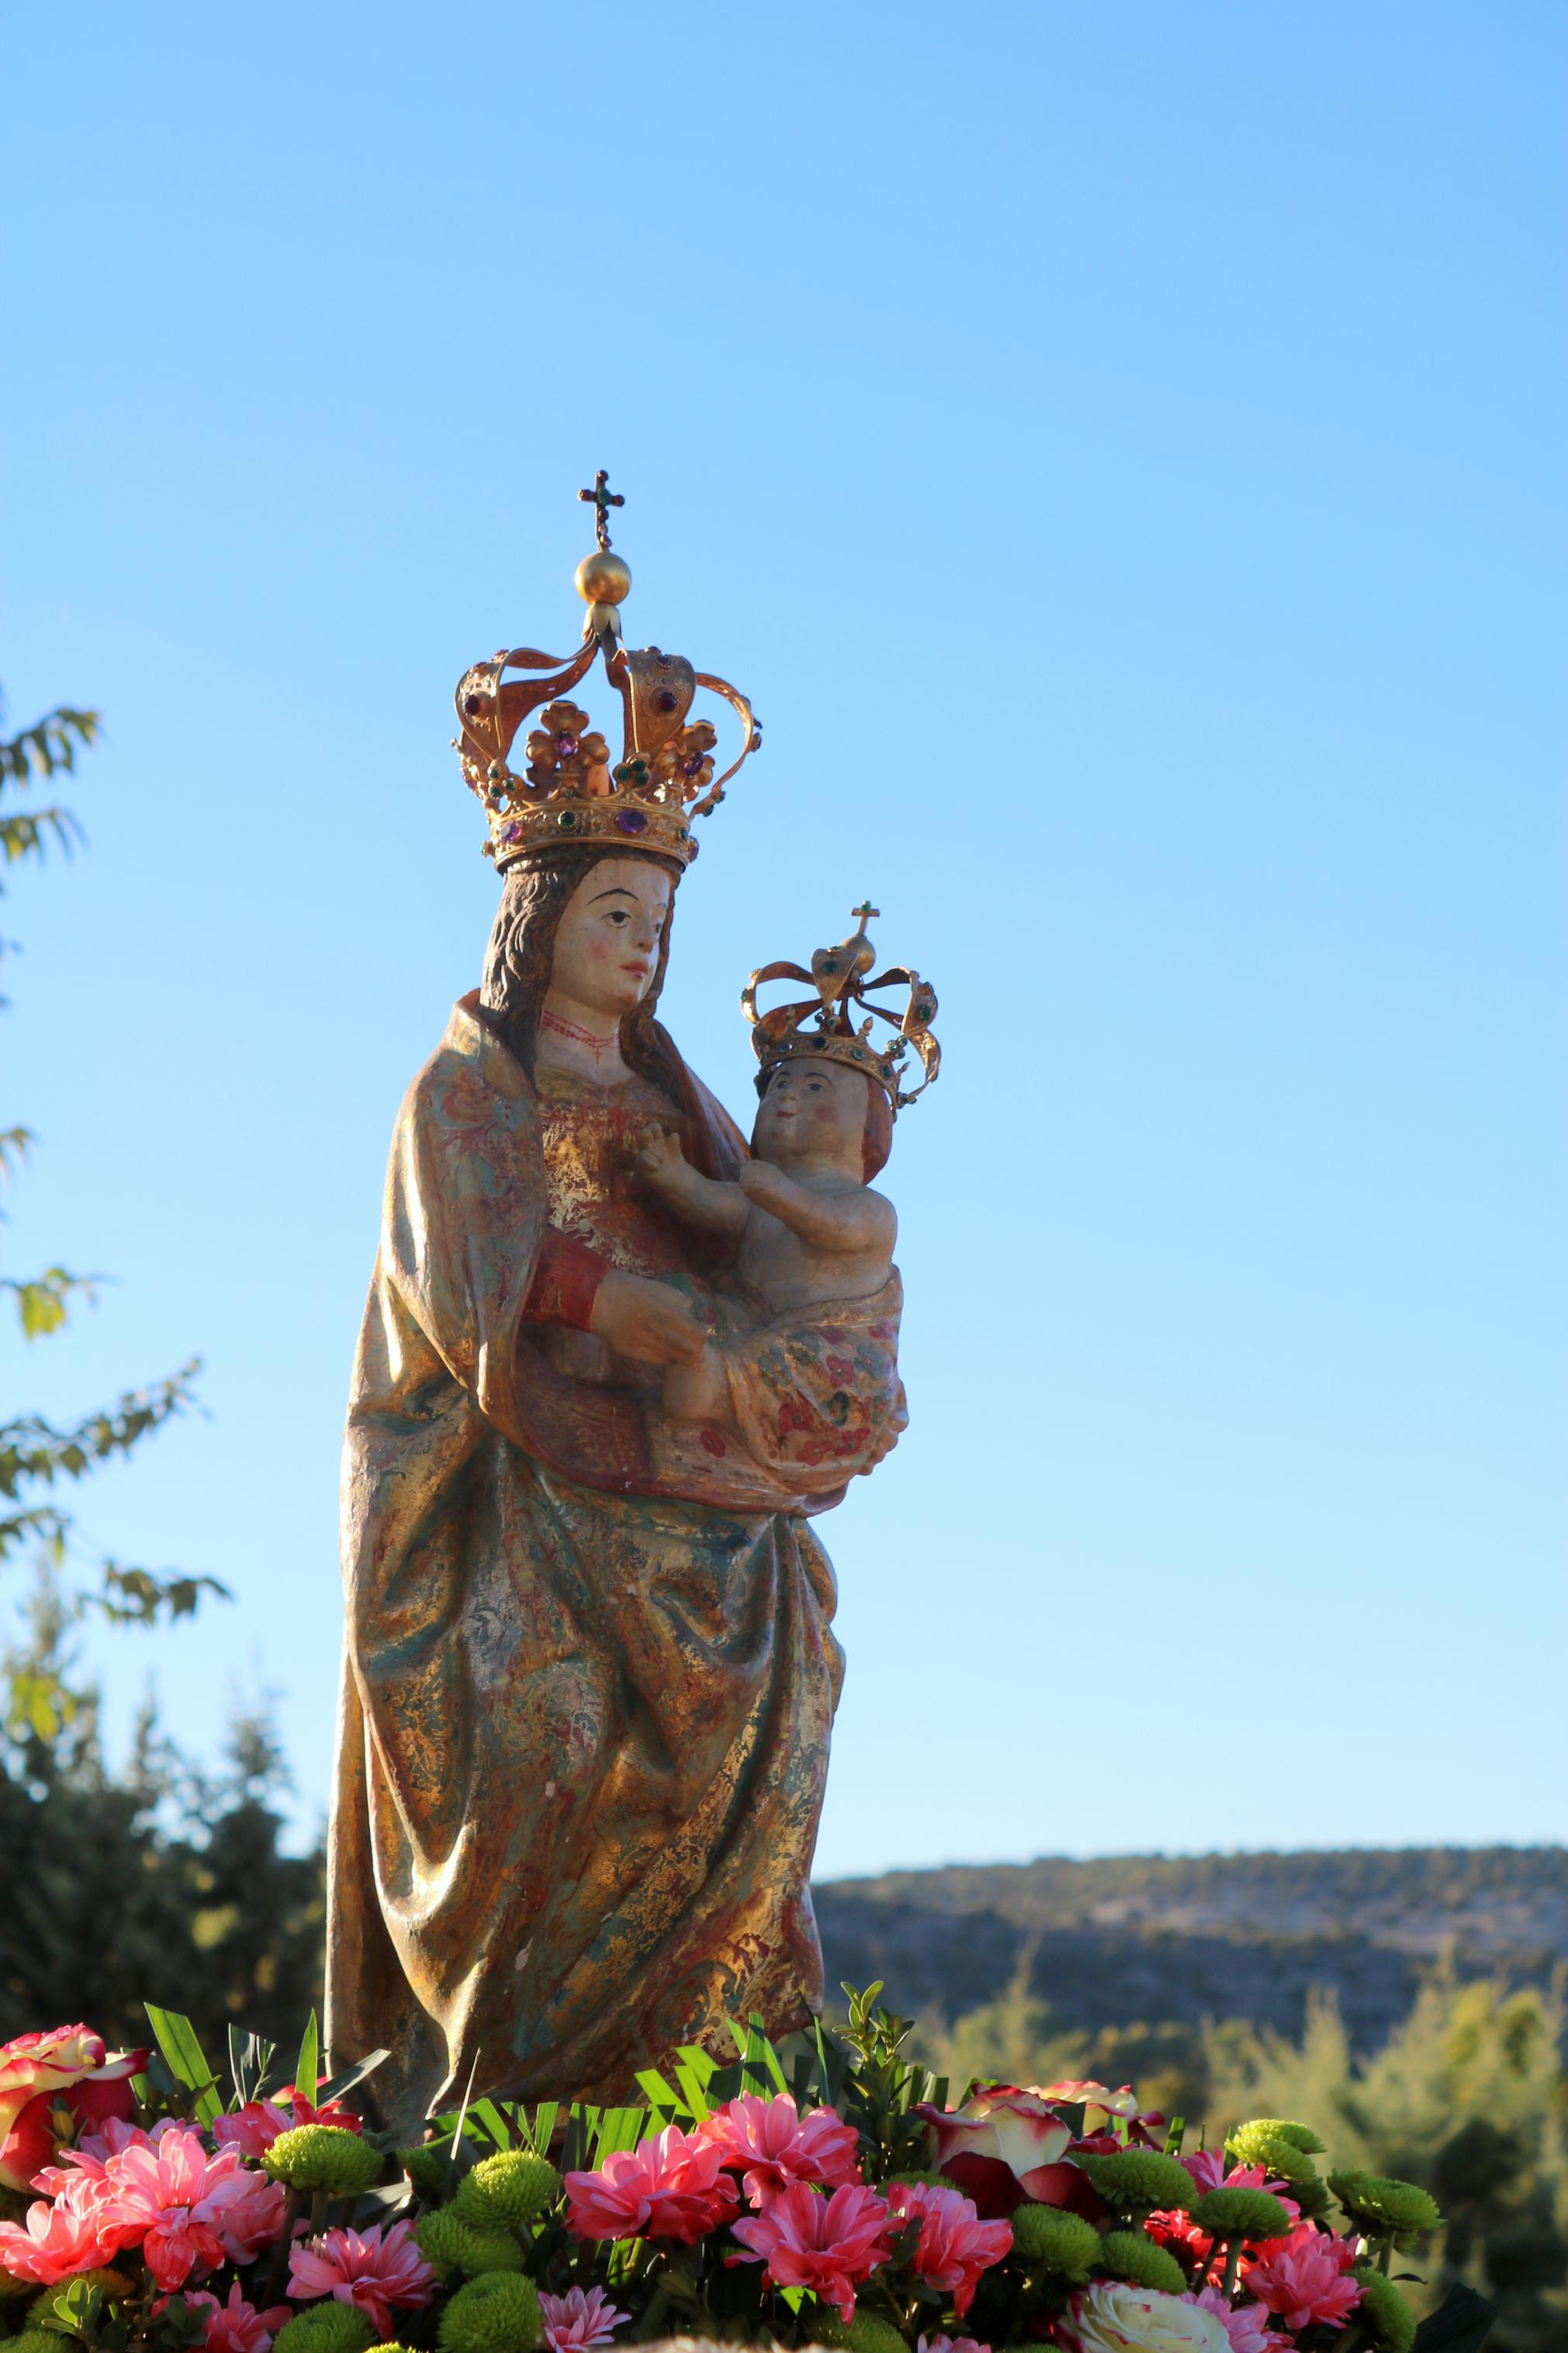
{"type": "Point", "coordinates": [719, 1208]}
{"type": "Point", "coordinates": [861, 1220]}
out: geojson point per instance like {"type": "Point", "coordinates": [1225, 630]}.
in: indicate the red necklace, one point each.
{"type": "Point", "coordinates": [597, 1046]}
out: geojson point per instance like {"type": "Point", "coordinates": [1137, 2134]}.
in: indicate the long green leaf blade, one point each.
{"type": "Point", "coordinates": [187, 2060]}
{"type": "Point", "coordinates": [307, 2069]}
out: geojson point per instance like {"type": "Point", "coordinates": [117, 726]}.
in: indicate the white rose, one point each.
{"type": "Point", "coordinates": [1111, 2318]}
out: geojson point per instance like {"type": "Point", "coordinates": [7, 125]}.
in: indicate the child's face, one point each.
{"type": "Point", "coordinates": [814, 1110]}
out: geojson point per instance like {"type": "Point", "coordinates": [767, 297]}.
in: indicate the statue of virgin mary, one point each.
{"type": "Point", "coordinates": [584, 1716]}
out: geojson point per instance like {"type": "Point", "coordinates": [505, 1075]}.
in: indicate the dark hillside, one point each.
{"type": "Point", "coordinates": [1147, 1939]}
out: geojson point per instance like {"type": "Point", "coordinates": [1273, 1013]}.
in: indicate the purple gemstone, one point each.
{"type": "Point", "coordinates": [512, 833]}
{"type": "Point", "coordinates": [668, 701]}
{"type": "Point", "coordinates": [689, 767]}
{"type": "Point", "coordinates": [566, 745]}
{"type": "Point", "coordinates": [631, 820]}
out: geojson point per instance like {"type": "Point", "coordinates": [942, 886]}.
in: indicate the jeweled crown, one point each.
{"type": "Point", "coordinates": [569, 791]}
{"type": "Point", "coordinates": [824, 1025]}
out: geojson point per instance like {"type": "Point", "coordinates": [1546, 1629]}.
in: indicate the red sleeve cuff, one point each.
{"type": "Point", "coordinates": [565, 1283]}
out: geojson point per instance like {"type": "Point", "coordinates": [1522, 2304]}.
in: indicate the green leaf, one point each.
{"type": "Point", "coordinates": [1461, 2324]}
{"type": "Point", "coordinates": [695, 2070]}
{"type": "Point", "coordinates": [486, 2114]}
{"type": "Point", "coordinates": [249, 2056]}
{"type": "Point", "coordinates": [71, 2308]}
{"type": "Point", "coordinates": [187, 2063]}
{"type": "Point", "coordinates": [347, 2079]}
{"type": "Point", "coordinates": [307, 2067]}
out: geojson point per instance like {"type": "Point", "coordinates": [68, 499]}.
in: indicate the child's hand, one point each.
{"type": "Point", "coordinates": [659, 1153]}
{"type": "Point", "coordinates": [762, 1183]}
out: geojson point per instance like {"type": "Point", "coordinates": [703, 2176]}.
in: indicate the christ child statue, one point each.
{"type": "Point", "coordinates": [802, 1366]}
{"type": "Point", "coordinates": [807, 1227]}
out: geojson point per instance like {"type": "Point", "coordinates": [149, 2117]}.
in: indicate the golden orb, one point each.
{"type": "Point", "coordinates": [604, 577]}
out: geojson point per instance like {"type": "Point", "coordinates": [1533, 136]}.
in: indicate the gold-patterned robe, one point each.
{"type": "Point", "coordinates": [585, 1710]}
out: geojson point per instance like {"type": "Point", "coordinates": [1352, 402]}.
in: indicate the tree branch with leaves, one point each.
{"type": "Point", "coordinates": [38, 1462]}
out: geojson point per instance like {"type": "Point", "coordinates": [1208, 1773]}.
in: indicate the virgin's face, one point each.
{"type": "Point", "coordinates": [607, 944]}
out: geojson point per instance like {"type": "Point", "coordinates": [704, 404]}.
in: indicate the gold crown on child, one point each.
{"type": "Point", "coordinates": [824, 1024]}
{"type": "Point", "coordinates": [569, 791]}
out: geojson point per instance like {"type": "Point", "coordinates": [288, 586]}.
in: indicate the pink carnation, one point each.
{"type": "Point", "coordinates": [771, 2144]}
{"type": "Point", "coordinates": [253, 2128]}
{"type": "Point", "coordinates": [61, 2235]}
{"type": "Point", "coordinates": [236, 2326]}
{"type": "Point", "coordinates": [1306, 2278]}
{"type": "Point", "coordinates": [188, 2210]}
{"type": "Point", "coordinates": [1246, 2324]}
{"type": "Point", "coordinates": [941, 2344]}
{"type": "Point", "coordinates": [828, 2245]}
{"type": "Point", "coordinates": [954, 2246]}
{"type": "Point", "coordinates": [579, 2321]}
{"type": "Point", "coordinates": [671, 2186]}
{"type": "Point", "coordinates": [369, 2269]}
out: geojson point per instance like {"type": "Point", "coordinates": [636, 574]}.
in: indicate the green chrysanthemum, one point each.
{"type": "Point", "coordinates": [1281, 2158]}
{"type": "Point", "coordinates": [1241, 2214]}
{"type": "Point", "coordinates": [324, 2157]}
{"type": "Point", "coordinates": [452, 2247]}
{"type": "Point", "coordinates": [1134, 2177]}
{"type": "Point", "coordinates": [506, 2190]}
{"type": "Point", "coordinates": [36, 2340]}
{"type": "Point", "coordinates": [10, 2285]}
{"type": "Point", "coordinates": [497, 2314]}
{"type": "Point", "coordinates": [1128, 2255]}
{"type": "Point", "coordinates": [864, 2333]}
{"type": "Point", "coordinates": [426, 2170]}
{"type": "Point", "coordinates": [1052, 2240]}
{"type": "Point", "coordinates": [1392, 2320]}
{"type": "Point", "coordinates": [329, 2327]}
{"type": "Point", "coordinates": [1300, 2136]}
{"type": "Point", "coordinates": [1381, 2208]}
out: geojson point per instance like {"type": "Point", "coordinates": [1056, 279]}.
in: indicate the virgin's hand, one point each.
{"type": "Point", "coordinates": [646, 1320]}
{"type": "Point", "coordinates": [659, 1152]}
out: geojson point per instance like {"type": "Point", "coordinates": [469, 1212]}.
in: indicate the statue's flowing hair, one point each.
{"type": "Point", "coordinates": [521, 950]}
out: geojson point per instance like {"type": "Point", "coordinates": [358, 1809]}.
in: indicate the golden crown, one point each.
{"type": "Point", "coordinates": [569, 791]}
{"type": "Point", "coordinates": [824, 1024]}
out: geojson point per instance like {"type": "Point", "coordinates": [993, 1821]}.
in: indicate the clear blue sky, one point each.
{"type": "Point", "coordinates": [1121, 449]}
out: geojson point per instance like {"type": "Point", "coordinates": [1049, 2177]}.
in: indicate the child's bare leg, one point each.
{"type": "Point", "coordinates": [698, 1392]}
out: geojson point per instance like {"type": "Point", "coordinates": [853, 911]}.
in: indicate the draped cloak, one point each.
{"type": "Point", "coordinates": [586, 1702]}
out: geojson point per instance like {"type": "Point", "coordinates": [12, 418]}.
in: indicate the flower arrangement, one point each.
{"type": "Point", "coordinates": [842, 2202]}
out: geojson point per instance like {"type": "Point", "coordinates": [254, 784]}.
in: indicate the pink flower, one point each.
{"type": "Point", "coordinates": [57, 2080]}
{"type": "Point", "coordinates": [828, 2245]}
{"type": "Point", "coordinates": [671, 2186]}
{"type": "Point", "coordinates": [774, 2145]}
{"type": "Point", "coordinates": [941, 2344]}
{"type": "Point", "coordinates": [955, 2246]}
{"type": "Point", "coordinates": [1246, 2324]}
{"type": "Point", "coordinates": [254, 2128]}
{"type": "Point", "coordinates": [579, 2321]}
{"type": "Point", "coordinates": [1305, 2278]}
{"type": "Point", "coordinates": [60, 2237]}
{"type": "Point", "coordinates": [368, 2269]}
{"type": "Point", "coordinates": [236, 2326]}
{"type": "Point", "coordinates": [1002, 2147]}
{"type": "Point", "coordinates": [189, 2211]}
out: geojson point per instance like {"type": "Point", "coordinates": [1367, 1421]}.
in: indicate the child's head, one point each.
{"type": "Point", "coordinates": [818, 1112]}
